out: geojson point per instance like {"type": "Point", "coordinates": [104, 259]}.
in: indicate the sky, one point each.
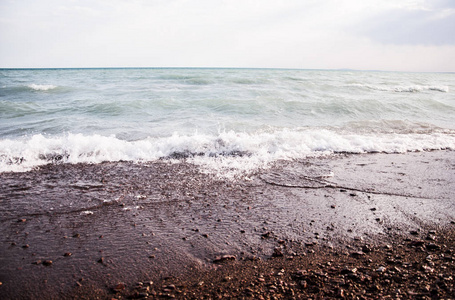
{"type": "Point", "coordinates": [405, 35]}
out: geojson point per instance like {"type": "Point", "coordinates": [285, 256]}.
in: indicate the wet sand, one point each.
{"type": "Point", "coordinates": [88, 231]}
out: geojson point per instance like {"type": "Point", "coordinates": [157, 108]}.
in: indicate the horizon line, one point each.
{"type": "Point", "coordinates": [219, 68]}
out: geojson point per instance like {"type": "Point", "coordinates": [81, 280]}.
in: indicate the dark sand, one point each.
{"type": "Point", "coordinates": [98, 231]}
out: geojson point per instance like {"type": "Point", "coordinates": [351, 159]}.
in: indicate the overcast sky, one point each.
{"type": "Point", "coordinates": [404, 35]}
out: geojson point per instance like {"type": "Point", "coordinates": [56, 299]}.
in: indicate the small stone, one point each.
{"type": "Point", "coordinates": [357, 254]}
{"type": "Point", "coordinates": [332, 206]}
{"type": "Point", "coordinates": [341, 293]}
{"type": "Point", "coordinates": [366, 249]}
{"type": "Point", "coordinates": [266, 235]}
{"type": "Point", "coordinates": [47, 263]}
{"type": "Point", "coordinates": [381, 269]}
{"type": "Point", "coordinates": [430, 238]}
{"type": "Point", "coordinates": [223, 258]}
{"type": "Point", "coordinates": [348, 271]}
{"type": "Point", "coordinates": [205, 235]}
{"type": "Point", "coordinates": [433, 246]}
{"type": "Point", "coordinates": [26, 246]}
{"type": "Point", "coordinates": [21, 220]}
{"type": "Point", "coordinates": [77, 235]}
{"type": "Point", "coordinates": [427, 269]}
{"type": "Point", "coordinates": [139, 295]}
{"type": "Point", "coordinates": [352, 194]}
{"type": "Point", "coordinates": [417, 243]}
{"type": "Point", "coordinates": [67, 254]}
{"type": "Point", "coordinates": [413, 232]}
{"type": "Point", "coordinates": [101, 260]}
{"type": "Point", "coordinates": [373, 209]}
{"type": "Point", "coordinates": [118, 287]}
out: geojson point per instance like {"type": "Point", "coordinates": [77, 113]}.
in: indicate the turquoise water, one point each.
{"type": "Point", "coordinates": [259, 115]}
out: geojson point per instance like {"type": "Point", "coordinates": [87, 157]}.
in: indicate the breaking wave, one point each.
{"type": "Point", "coordinates": [403, 89]}
{"type": "Point", "coordinates": [42, 87]}
{"type": "Point", "coordinates": [228, 150]}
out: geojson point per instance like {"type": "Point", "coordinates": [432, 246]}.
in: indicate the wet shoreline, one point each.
{"type": "Point", "coordinates": [79, 230]}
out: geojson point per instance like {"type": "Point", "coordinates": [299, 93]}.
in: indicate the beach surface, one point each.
{"type": "Point", "coordinates": [347, 225]}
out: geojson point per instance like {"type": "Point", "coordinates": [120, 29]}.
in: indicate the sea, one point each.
{"type": "Point", "coordinates": [225, 121]}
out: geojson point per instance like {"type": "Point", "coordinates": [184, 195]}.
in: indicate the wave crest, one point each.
{"type": "Point", "coordinates": [42, 87]}
{"type": "Point", "coordinates": [231, 150]}
{"type": "Point", "coordinates": [403, 89]}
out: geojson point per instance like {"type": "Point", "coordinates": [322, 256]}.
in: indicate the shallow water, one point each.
{"type": "Point", "coordinates": [240, 118]}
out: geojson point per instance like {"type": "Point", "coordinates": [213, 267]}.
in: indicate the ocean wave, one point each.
{"type": "Point", "coordinates": [228, 151]}
{"type": "Point", "coordinates": [403, 89]}
{"type": "Point", "coordinates": [41, 87]}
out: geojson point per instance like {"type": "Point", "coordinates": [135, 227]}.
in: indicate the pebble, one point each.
{"type": "Point", "coordinates": [427, 269]}
{"type": "Point", "coordinates": [347, 270]}
{"type": "Point", "coordinates": [357, 254]}
{"type": "Point", "coordinates": [119, 287]}
{"type": "Point", "coordinates": [47, 263]}
{"type": "Point", "coordinates": [67, 254]}
{"type": "Point", "coordinates": [417, 243]}
{"type": "Point", "coordinates": [366, 249]}
{"type": "Point", "coordinates": [224, 258]}
{"type": "Point", "coordinates": [266, 235]}
{"type": "Point", "coordinates": [433, 246]}
{"type": "Point", "coordinates": [381, 269]}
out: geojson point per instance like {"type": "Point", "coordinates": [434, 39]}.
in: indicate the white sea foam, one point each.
{"type": "Point", "coordinates": [405, 89]}
{"type": "Point", "coordinates": [228, 153]}
{"type": "Point", "coordinates": [42, 87]}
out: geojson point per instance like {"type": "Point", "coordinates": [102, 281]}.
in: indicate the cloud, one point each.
{"type": "Point", "coordinates": [371, 34]}
{"type": "Point", "coordinates": [431, 23]}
